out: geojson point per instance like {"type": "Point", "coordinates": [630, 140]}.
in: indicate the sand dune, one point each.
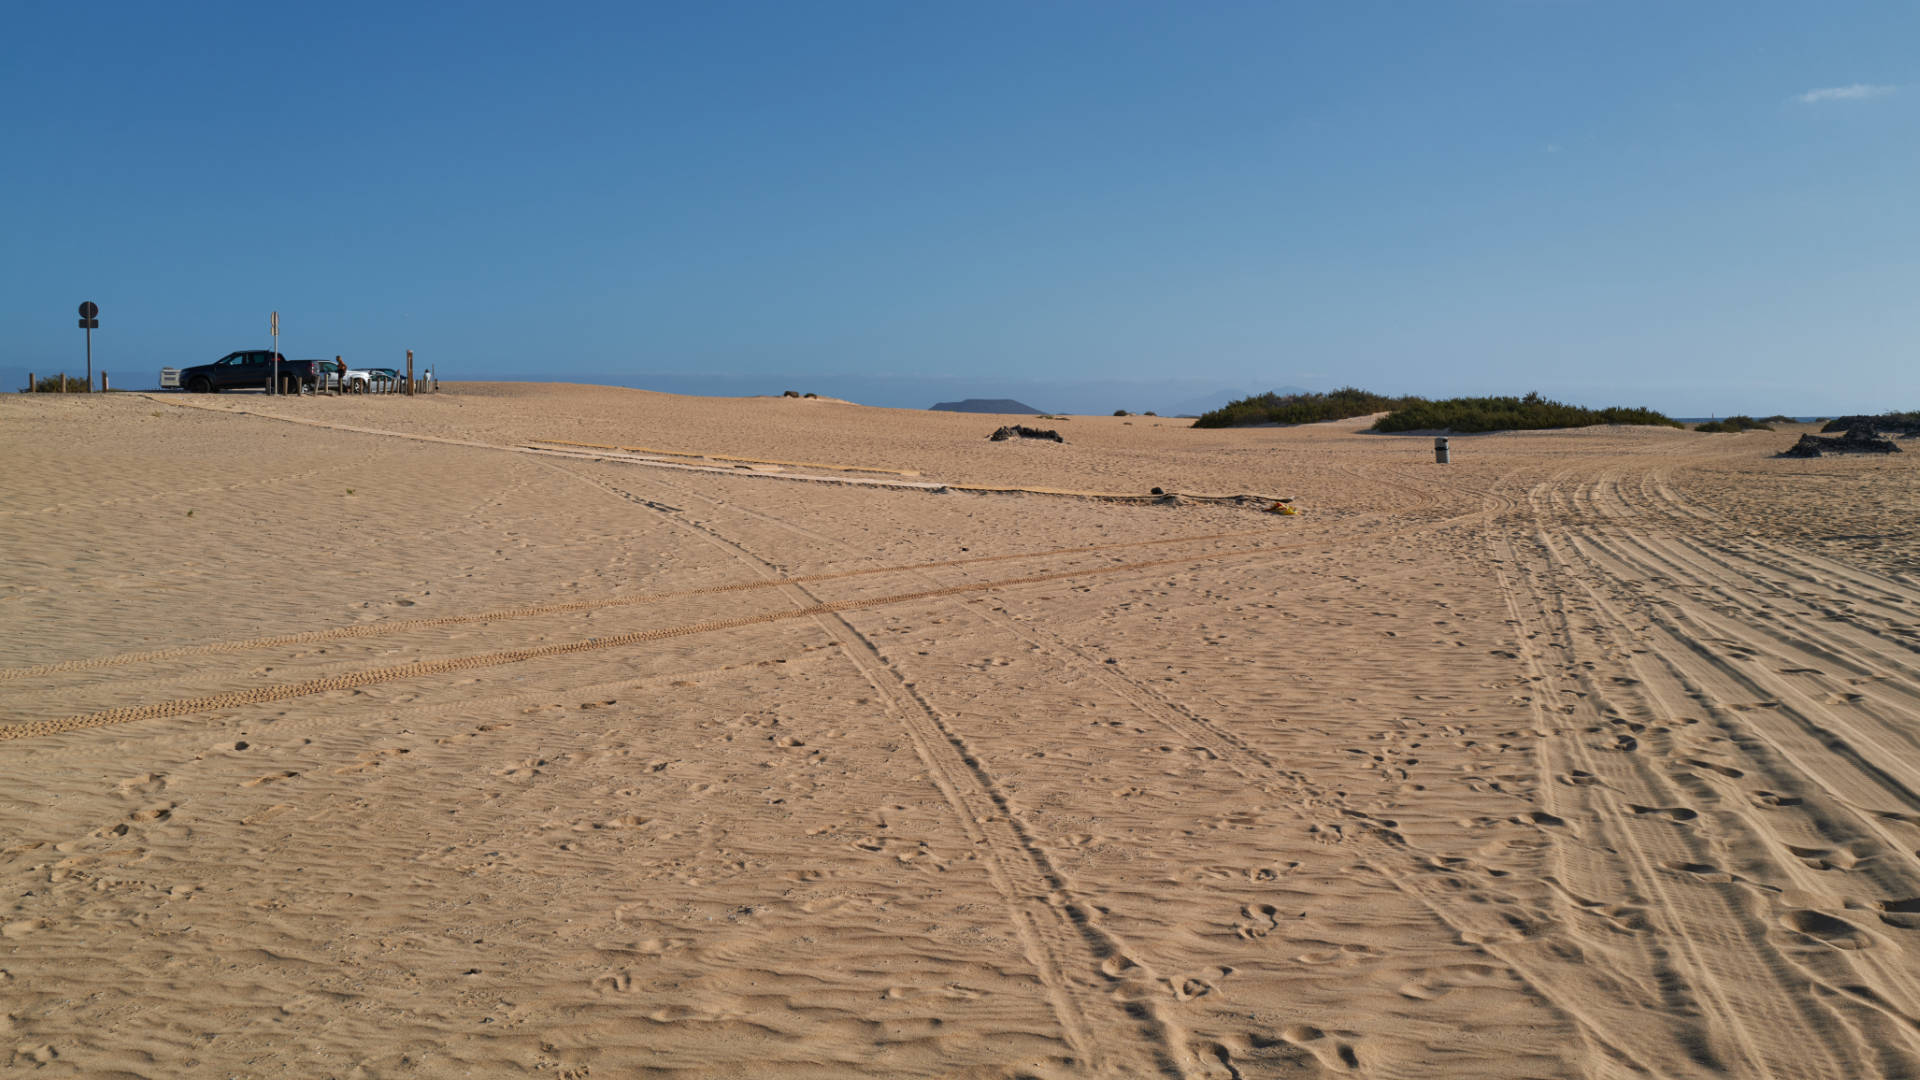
{"type": "Point", "coordinates": [387, 737]}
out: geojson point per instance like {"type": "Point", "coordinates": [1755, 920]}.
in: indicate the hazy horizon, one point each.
{"type": "Point", "coordinates": [1168, 397]}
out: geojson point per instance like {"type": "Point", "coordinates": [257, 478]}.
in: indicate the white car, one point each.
{"type": "Point", "coordinates": [371, 380]}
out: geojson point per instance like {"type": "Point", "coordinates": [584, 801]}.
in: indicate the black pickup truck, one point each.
{"type": "Point", "coordinates": [250, 370]}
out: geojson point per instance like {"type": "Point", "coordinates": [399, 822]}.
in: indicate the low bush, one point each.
{"type": "Point", "coordinates": [1531, 413]}
{"type": "Point", "coordinates": [1734, 423]}
{"type": "Point", "coordinates": [1271, 408]}
{"type": "Point", "coordinates": [60, 384]}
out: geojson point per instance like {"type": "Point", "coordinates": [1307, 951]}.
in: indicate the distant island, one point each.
{"type": "Point", "coordinates": [986, 405]}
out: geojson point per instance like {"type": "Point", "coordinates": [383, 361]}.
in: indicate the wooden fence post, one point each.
{"type": "Point", "coordinates": [30, 385]}
{"type": "Point", "coordinates": [409, 372]}
{"type": "Point", "coordinates": [103, 382]}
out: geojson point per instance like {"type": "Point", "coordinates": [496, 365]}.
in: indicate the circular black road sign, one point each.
{"type": "Point", "coordinates": [89, 309]}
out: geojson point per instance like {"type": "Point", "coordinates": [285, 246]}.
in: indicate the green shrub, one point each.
{"type": "Point", "coordinates": [59, 384]}
{"type": "Point", "coordinates": [1271, 408]}
{"type": "Point", "coordinates": [1776, 418]}
{"type": "Point", "coordinates": [1531, 413]}
{"type": "Point", "coordinates": [1734, 423]}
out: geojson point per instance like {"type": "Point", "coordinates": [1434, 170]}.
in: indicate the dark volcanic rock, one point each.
{"type": "Point", "coordinates": [1024, 432]}
{"type": "Point", "coordinates": [1900, 423]}
{"type": "Point", "coordinates": [1858, 440]}
{"type": "Point", "coordinates": [1004, 406]}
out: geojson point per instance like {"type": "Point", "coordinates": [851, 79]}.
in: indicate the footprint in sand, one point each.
{"type": "Point", "coordinates": [270, 778]}
{"type": "Point", "coordinates": [1186, 988]}
{"type": "Point", "coordinates": [1262, 919]}
{"type": "Point", "coordinates": [370, 761]}
{"type": "Point", "coordinates": [1841, 858]}
{"type": "Point", "coordinates": [1703, 871]}
{"type": "Point", "coordinates": [1270, 873]}
{"type": "Point", "coordinates": [1901, 914]}
{"type": "Point", "coordinates": [144, 784]}
{"type": "Point", "coordinates": [1837, 932]}
{"type": "Point", "coordinates": [1677, 813]}
{"type": "Point", "coordinates": [1424, 988]}
{"type": "Point", "coordinates": [44, 1054]}
{"type": "Point", "coordinates": [1330, 1052]}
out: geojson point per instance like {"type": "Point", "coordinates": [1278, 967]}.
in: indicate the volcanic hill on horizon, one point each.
{"type": "Point", "coordinates": [985, 405]}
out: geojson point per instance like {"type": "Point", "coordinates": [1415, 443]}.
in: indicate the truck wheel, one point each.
{"type": "Point", "coordinates": [200, 384]}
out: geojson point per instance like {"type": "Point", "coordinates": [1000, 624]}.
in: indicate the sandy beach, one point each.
{"type": "Point", "coordinates": [443, 736]}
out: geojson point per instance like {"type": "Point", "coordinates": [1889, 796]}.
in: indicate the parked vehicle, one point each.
{"type": "Point", "coordinates": [371, 380]}
{"type": "Point", "coordinates": [328, 373]}
{"type": "Point", "coordinates": [250, 369]}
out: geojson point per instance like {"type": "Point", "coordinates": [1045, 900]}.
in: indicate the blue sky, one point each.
{"type": "Point", "coordinates": [1703, 207]}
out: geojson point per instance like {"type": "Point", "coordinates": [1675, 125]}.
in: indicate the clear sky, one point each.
{"type": "Point", "coordinates": [1702, 207]}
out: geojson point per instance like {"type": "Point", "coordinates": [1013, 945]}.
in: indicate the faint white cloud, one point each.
{"type": "Point", "coordinates": [1856, 92]}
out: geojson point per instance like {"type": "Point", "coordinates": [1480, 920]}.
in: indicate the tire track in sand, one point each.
{"type": "Point", "coordinates": [1067, 947]}
{"type": "Point", "coordinates": [1709, 956]}
{"type": "Point", "coordinates": [355, 679]}
{"type": "Point", "coordinates": [1850, 828]}
{"type": "Point", "coordinates": [401, 626]}
{"type": "Point", "coordinates": [1389, 853]}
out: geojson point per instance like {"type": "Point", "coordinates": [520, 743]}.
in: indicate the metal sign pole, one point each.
{"type": "Point", "coordinates": [88, 322]}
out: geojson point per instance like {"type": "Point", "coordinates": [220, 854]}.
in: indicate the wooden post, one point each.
{"type": "Point", "coordinates": [409, 372]}
{"type": "Point", "coordinates": [103, 382]}
{"type": "Point", "coordinates": [63, 382]}
{"type": "Point", "coordinates": [30, 386]}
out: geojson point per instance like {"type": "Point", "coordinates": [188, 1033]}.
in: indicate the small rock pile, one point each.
{"type": "Point", "coordinates": [1024, 432]}
{"type": "Point", "coordinates": [1860, 439]}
